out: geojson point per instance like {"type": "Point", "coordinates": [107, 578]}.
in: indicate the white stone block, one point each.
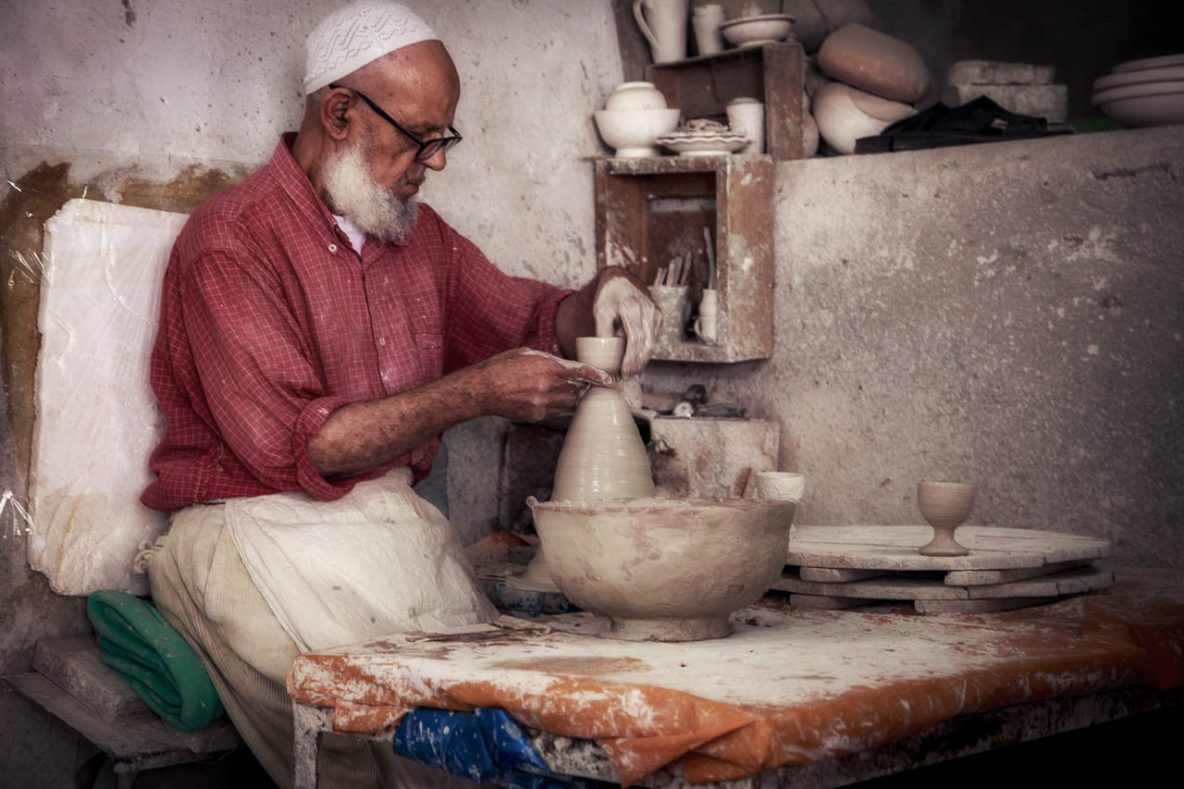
{"type": "Point", "coordinates": [993, 72]}
{"type": "Point", "coordinates": [1050, 102]}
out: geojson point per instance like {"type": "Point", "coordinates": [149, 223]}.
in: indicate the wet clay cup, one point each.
{"type": "Point", "coordinates": [780, 485]}
{"type": "Point", "coordinates": [946, 506]}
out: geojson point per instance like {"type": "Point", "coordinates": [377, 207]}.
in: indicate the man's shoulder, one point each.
{"type": "Point", "coordinates": [226, 221]}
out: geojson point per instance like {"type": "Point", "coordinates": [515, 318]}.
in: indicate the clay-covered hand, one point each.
{"type": "Point", "coordinates": [531, 385]}
{"type": "Point", "coordinates": [621, 301]}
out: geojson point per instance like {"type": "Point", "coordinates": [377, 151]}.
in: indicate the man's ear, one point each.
{"type": "Point", "coordinates": [335, 113]}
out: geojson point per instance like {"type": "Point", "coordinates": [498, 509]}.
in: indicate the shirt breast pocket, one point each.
{"type": "Point", "coordinates": [429, 349]}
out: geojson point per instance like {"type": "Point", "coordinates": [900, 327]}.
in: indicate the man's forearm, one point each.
{"type": "Point", "coordinates": [360, 436]}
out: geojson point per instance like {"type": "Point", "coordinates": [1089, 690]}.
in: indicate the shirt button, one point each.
{"type": "Point", "coordinates": [332, 247]}
{"type": "Point", "coordinates": [382, 341]}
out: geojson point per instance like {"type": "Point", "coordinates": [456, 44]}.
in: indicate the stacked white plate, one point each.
{"type": "Point", "coordinates": [1147, 92]}
{"type": "Point", "coordinates": [702, 142]}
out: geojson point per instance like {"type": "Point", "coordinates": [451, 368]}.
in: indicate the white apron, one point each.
{"type": "Point", "coordinates": [377, 561]}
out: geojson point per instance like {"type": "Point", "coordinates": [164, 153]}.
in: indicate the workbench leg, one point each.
{"type": "Point", "coordinates": [307, 724]}
{"type": "Point", "coordinates": [125, 780]}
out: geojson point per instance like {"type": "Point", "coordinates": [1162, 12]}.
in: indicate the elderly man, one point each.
{"type": "Point", "coordinates": [318, 331]}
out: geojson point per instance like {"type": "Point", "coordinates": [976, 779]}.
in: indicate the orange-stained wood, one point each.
{"type": "Point", "coordinates": [789, 687]}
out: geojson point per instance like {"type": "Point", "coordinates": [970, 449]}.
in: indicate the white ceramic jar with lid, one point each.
{"type": "Point", "coordinates": [636, 96]}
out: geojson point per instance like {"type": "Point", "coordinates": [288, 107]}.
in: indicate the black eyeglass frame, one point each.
{"type": "Point", "coordinates": [427, 148]}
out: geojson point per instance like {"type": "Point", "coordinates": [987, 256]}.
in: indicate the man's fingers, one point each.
{"type": "Point", "coordinates": [581, 374]}
{"type": "Point", "coordinates": [620, 301]}
{"type": "Point", "coordinates": [640, 319]}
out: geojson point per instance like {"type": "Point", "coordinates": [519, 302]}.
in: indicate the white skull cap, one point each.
{"type": "Point", "coordinates": [357, 34]}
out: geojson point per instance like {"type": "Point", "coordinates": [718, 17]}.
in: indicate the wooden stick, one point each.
{"type": "Point", "coordinates": [711, 283]}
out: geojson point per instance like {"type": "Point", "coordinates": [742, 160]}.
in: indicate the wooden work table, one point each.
{"type": "Point", "coordinates": [792, 697]}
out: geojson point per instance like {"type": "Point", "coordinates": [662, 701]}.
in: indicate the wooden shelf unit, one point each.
{"type": "Point", "coordinates": [773, 73]}
{"type": "Point", "coordinates": [650, 210]}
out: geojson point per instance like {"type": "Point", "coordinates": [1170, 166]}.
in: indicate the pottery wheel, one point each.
{"type": "Point", "coordinates": [894, 548]}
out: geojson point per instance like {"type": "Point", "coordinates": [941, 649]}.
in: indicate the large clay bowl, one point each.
{"type": "Point", "coordinates": [631, 133]}
{"type": "Point", "coordinates": [665, 569]}
{"type": "Point", "coordinates": [845, 114]}
{"type": "Point", "coordinates": [874, 62]}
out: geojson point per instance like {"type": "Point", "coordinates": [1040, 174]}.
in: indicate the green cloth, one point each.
{"type": "Point", "coordinates": [156, 661]}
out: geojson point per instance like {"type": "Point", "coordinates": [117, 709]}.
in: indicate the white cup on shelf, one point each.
{"type": "Point", "coordinates": [747, 116]}
{"type": "Point", "coordinates": [705, 324]}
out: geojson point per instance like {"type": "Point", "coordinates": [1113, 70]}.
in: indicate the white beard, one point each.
{"type": "Point", "coordinates": [353, 194]}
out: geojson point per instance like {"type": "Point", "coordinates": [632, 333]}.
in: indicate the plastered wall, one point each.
{"type": "Point", "coordinates": [1009, 314]}
{"type": "Point", "coordinates": [163, 103]}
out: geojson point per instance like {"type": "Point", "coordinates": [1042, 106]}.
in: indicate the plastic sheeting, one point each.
{"type": "Point", "coordinates": [97, 419]}
{"type": "Point", "coordinates": [789, 687]}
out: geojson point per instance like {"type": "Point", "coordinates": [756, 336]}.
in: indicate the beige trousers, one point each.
{"type": "Point", "coordinates": [200, 585]}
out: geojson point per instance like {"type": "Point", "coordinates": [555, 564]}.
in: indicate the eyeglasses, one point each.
{"type": "Point", "coordinates": [427, 148]}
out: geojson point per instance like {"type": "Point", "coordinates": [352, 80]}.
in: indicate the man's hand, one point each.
{"type": "Point", "coordinates": [532, 385]}
{"type": "Point", "coordinates": [518, 384]}
{"type": "Point", "coordinates": [621, 300]}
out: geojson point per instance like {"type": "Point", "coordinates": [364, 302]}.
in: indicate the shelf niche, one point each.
{"type": "Point", "coordinates": [649, 211]}
{"type": "Point", "coordinates": [773, 73]}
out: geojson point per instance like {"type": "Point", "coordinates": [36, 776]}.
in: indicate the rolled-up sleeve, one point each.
{"type": "Point", "coordinates": [264, 391]}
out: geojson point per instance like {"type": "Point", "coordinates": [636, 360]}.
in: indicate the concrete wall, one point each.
{"type": "Point", "coordinates": [161, 103]}
{"type": "Point", "coordinates": [1009, 314]}
{"type": "Point", "coordinates": [145, 90]}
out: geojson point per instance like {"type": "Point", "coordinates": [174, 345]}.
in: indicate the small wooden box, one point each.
{"type": "Point", "coordinates": [649, 211]}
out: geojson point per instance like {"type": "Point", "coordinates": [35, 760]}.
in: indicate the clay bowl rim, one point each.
{"type": "Point", "coordinates": [732, 29]}
{"type": "Point", "coordinates": [758, 18]}
{"type": "Point", "coordinates": [601, 506]}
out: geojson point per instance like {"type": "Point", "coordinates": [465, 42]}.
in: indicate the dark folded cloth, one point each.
{"type": "Point", "coordinates": [938, 126]}
{"type": "Point", "coordinates": [156, 661]}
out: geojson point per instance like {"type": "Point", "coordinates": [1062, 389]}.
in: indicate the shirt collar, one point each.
{"type": "Point", "coordinates": [295, 183]}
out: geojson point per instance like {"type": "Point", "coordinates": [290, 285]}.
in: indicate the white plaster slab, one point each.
{"type": "Point", "coordinates": [831, 575]}
{"type": "Point", "coordinates": [895, 548]}
{"type": "Point", "coordinates": [977, 606]}
{"type": "Point", "coordinates": [988, 577]}
{"type": "Point", "coordinates": [813, 602]}
{"type": "Point", "coordinates": [97, 419]}
{"type": "Point", "coordinates": [1079, 581]}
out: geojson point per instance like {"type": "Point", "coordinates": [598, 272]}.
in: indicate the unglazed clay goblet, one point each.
{"type": "Point", "coordinates": [946, 505]}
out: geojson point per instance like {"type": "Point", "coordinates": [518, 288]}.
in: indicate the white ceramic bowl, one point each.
{"type": "Point", "coordinates": [699, 144]}
{"type": "Point", "coordinates": [665, 569]}
{"type": "Point", "coordinates": [1165, 74]}
{"type": "Point", "coordinates": [845, 114]}
{"type": "Point", "coordinates": [752, 31]}
{"type": "Point", "coordinates": [1146, 63]}
{"type": "Point", "coordinates": [636, 96]}
{"type": "Point", "coordinates": [631, 133]}
{"type": "Point", "coordinates": [1137, 90]}
{"type": "Point", "coordinates": [1158, 107]}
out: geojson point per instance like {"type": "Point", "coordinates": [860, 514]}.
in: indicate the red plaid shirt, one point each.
{"type": "Point", "coordinates": [269, 321]}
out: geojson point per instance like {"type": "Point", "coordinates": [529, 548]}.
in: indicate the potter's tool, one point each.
{"type": "Point", "coordinates": [722, 411]}
{"type": "Point", "coordinates": [711, 275]}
